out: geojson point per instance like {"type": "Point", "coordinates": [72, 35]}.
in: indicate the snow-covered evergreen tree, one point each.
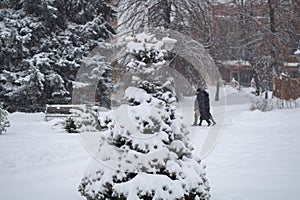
{"type": "Point", "coordinates": [81, 121]}
{"type": "Point", "coordinates": [4, 123]}
{"type": "Point", "coordinates": [42, 45]}
{"type": "Point", "coordinates": [94, 80]}
{"type": "Point", "coordinates": [144, 153]}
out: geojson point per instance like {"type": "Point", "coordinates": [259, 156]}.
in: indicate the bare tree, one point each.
{"type": "Point", "coordinates": [191, 17]}
{"type": "Point", "coordinates": [265, 31]}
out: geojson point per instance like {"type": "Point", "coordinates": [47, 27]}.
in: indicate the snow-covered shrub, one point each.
{"type": "Point", "coordinates": [145, 154]}
{"type": "Point", "coordinates": [81, 121]}
{"type": "Point", "coordinates": [70, 125]}
{"type": "Point", "coordinates": [4, 123]}
{"type": "Point", "coordinates": [262, 104]}
{"type": "Point", "coordinates": [292, 103]}
{"type": "Point", "coordinates": [105, 118]}
{"type": "Point", "coordinates": [259, 103]}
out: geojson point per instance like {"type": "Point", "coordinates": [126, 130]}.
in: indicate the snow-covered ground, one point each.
{"type": "Point", "coordinates": [256, 157]}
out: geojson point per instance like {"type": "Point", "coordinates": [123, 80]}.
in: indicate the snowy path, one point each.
{"type": "Point", "coordinates": [256, 157]}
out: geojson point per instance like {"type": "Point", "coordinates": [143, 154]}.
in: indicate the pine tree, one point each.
{"type": "Point", "coordinates": [144, 153]}
{"type": "Point", "coordinates": [45, 42]}
{"type": "Point", "coordinates": [4, 123]}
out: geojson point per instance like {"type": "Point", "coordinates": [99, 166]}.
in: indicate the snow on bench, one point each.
{"type": "Point", "coordinates": [61, 111]}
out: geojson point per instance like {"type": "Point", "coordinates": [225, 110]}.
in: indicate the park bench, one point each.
{"type": "Point", "coordinates": [61, 111]}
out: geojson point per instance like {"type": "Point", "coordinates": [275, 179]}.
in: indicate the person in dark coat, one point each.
{"type": "Point", "coordinates": [206, 101]}
{"type": "Point", "coordinates": [204, 108]}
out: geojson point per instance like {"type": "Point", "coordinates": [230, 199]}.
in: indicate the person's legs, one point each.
{"type": "Point", "coordinates": [208, 122]}
{"type": "Point", "coordinates": [200, 124]}
{"type": "Point", "coordinates": [195, 119]}
{"type": "Point", "coordinates": [212, 119]}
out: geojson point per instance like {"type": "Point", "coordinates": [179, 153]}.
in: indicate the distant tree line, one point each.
{"type": "Point", "coordinates": [256, 31]}
{"type": "Point", "coordinates": [43, 42]}
{"type": "Point", "coordinates": [265, 33]}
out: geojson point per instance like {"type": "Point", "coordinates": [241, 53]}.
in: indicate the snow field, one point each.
{"type": "Point", "coordinates": [39, 161]}
{"type": "Point", "coordinates": [256, 156]}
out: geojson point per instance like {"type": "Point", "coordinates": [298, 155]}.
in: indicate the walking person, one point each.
{"type": "Point", "coordinates": [196, 112]}
{"type": "Point", "coordinates": [204, 108]}
{"type": "Point", "coordinates": [208, 107]}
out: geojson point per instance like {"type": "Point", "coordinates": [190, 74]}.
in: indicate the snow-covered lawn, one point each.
{"type": "Point", "coordinates": [256, 157]}
{"type": "Point", "coordinates": [37, 162]}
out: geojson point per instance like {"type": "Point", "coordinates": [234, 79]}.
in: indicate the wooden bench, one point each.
{"type": "Point", "coordinates": [61, 111]}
